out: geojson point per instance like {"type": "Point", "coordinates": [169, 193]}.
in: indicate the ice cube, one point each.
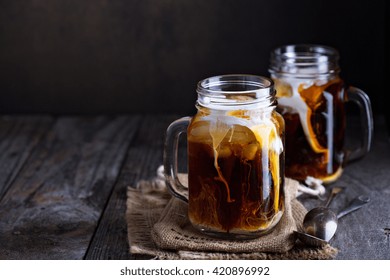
{"type": "Point", "coordinates": [200, 129]}
{"type": "Point", "coordinates": [283, 89]}
{"type": "Point", "coordinates": [249, 151]}
{"type": "Point", "coordinates": [242, 135]}
{"type": "Point", "coordinates": [224, 151]}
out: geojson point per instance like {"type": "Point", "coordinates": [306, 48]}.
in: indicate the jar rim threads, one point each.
{"type": "Point", "coordinates": [225, 92]}
{"type": "Point", "coordinates": [304, 60]}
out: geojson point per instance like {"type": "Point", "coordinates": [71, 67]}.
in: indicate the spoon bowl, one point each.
{"type": "Point", "coordinates": [310, 240]}
{"type": "Point", "coordinates": [320, 223]}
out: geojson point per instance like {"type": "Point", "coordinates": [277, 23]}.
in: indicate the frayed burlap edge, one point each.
{"type": "Point", "coordinates": [147, 201]}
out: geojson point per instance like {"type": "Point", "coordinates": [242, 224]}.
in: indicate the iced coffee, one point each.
{"type": "Point", "coordinates": [235, 158]}
{"type": "Point", "coordinates": [235, 171]}
{"type": "Point", "coordinates": [311, 97]}
{"type": "Point", "coordinates": [315, 125]}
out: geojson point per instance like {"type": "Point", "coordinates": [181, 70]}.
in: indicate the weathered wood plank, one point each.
{"type": "Point", "coordinates": [52, 208]}
{"type": "Point", "coordinates": [143, 158]}
{"type": "Point", "coordinates": [18, 137]}
{"type": "Point", "coordinates": [145, 155]}
{"type": "Point", "coordinates": [365, 234]}
{"type": "Point", "coordinates": [57, 188]}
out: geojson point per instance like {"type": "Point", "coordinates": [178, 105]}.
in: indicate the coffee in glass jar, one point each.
{"type": "Point", "coordinates": [311, 97]}
{"type": "Point", "coordinates": [235, 158]}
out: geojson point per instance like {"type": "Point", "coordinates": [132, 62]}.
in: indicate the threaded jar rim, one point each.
{"type": "Point", "coordinates": [304, 60]}
{"type": "Point", "coordinates": [236, 90]}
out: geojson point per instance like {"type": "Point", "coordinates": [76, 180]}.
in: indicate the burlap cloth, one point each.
{"type": "Point", "coordinates": [158, 226]}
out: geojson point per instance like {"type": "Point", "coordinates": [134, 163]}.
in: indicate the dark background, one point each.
{"type": "Point", "coordinates": [137, 56]}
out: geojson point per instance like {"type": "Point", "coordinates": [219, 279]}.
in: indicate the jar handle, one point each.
{"type": "Point", "coordinates": [360, 98]}
{"type": "Point", "coordinates": [173, 132]}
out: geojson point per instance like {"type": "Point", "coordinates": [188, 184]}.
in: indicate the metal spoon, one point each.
{"type": "Point", "coordinates": [332, 194]}
{"type": "Point", "coordinates": [320, 224]}
{"type": "Point", "coordinates": [317, 215]}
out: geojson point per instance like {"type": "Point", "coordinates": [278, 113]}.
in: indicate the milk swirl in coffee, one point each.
{"type": "Point", "coordinates": [236, 169]}
{"type": "Point", "coordinates": [314, 141]}
{"type": "Point", "coordinates": [311, 99]}
{"type": "Point", "coordinates": [235, 158]}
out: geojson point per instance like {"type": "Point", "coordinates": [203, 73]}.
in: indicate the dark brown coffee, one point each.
{"type": "Point", "coordinates": [234, 179]}
{"type": "Point", "coordinates": [314, 138]}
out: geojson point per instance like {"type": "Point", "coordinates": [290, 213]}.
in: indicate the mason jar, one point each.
{"type": "Point", "coordinates": [311, 97]}
{"type": "Point", "coordinates": [235, 157]}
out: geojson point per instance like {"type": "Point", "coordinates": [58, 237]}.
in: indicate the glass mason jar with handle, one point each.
{"type": "Point", "coordinates": [312, 97]}
{"type": "Point", "coordinates": [235, 157]}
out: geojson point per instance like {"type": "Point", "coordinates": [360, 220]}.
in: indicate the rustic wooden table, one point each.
{"type": "Point", "coordinates": [63, 187]}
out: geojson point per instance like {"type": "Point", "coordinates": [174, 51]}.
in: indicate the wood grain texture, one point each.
{"type": "Point", "coordinates": [364, 234]}
{"type": "Point", "coordinates": [143, 158]}
{"type": "Point", "coordinates": [52, 208]}
{"type": "Point", "coordinates": [145, 154]}
{"type": "Point", "coordinates": [64, 185]}
{"type": "Point", "coordinates": [18, 137]}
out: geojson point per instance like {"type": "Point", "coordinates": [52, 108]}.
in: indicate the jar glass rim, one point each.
{"type": "Point", "coordinates": [235, 90]}
{"type": "Point", "coordinates": [258, 82]}
{"type": "Point", "coordinates": [307, 51]}
{"type": "Point", "coordinates": [304, 60]}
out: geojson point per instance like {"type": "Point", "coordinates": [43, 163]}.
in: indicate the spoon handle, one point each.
{"type": "Point", "coordinates": [355, 204]}
{"type": "Point", "coordinates": [332, 194]}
